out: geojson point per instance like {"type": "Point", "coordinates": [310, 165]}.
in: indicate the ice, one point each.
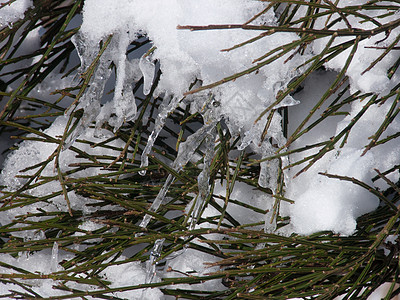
{"type": "Point", "coordinates": [151, 263]}
{"type": "Point", "coordinates": [287, 101]}
{"type": "Point", "coordinates": [14, 11]}
{"type": "Point", "coordinates": [203, 179]}
{"type": "Point", "coordinates": [186, 151]}
{"type": "Point", "coordinates": [148, 68]}
{"type": "Point", "coordinates": [124, 100]}
{"type": "Point", "coordinates": [320, 202]}
{"type": "Point", "coordinates": [54, 255]}
{"type": "Point", "coordinates": [157, 202]}
{"type": "Point", "coordinates": [268, 169]}
{"type": "Point", "coordinates": [184, 56]}
{"type": "Point", "coordinates": [90, 100]}
{"type": "Point", "coordinates": [167, 106]}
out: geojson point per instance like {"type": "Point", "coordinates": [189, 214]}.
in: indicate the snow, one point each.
{"type": "Point", "coordinates": [35, 263]}
{"type": "Point", "coordinates": [375, 80]}
{"type": "Point", "coordinates": [31, 153]}
{"type": "Point", "coordinates": [323, 203]}
{"type": "Point", "coordinates": [320, 202]}
{"type": "Point", "coordinates": [129, 274]}
{"type": "Point", "coordinates": [11, 13]}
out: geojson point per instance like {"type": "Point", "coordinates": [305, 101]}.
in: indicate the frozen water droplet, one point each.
{"type": "Point", "coordinates": [142, 172]}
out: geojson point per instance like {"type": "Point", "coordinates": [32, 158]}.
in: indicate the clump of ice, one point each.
{"type": "Point", "coordinates": [14, 11]}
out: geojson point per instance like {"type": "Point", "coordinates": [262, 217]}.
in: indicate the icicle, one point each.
{"type": "Point", "coordinates": [187, 148]}
{"type": "Point", "coordinates": [123, 103]}
{"type": "Point", "coordinates": [148, 69]}
{"type": "Point", "coordinates": [151, 263]}
{"type": "Point", "coordinates": [157, 202]}
{"type": "Point", "coordinates": [268, 169]}
{"type": "Point", "coordinates": [204, 177]}
{"type": "Point", "coordinates": [253, 136]}
{"type": "Point", "coordinates": [186, 151]}
{"type": "Point", "coordinates": [86, 49]}
{"type": "Point", "coordinates": [54, 256]}
{"type": "Point", "coordinates": [166, 108]}
{"type": "Point", "coordinates": [90, 100]}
